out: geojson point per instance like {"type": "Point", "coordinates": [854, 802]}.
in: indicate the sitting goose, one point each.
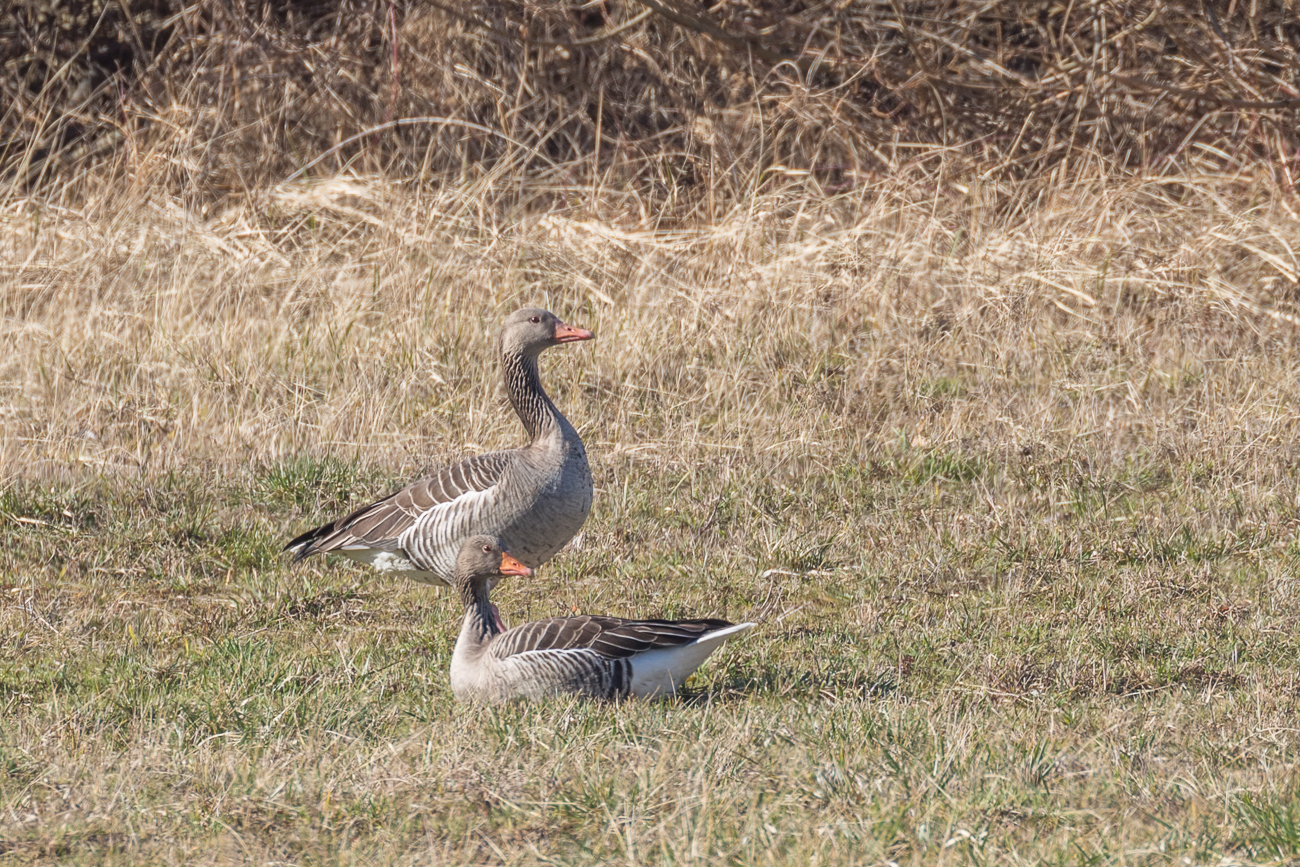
{"type": "Point", "coordinates": [533, 498]}
{"type": "Point", "coordinates": [598, 657]}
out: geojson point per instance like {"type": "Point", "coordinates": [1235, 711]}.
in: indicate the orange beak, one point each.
{"type": "Point", "coordinates": [571, 333]}
{"type": "Point", "coordinates": [511, 566]}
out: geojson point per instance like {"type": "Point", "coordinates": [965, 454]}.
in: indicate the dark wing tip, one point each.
{"type": "Point", "coordinates": [703, 625]}
{"type": "Point", "coordinates": [712, 624]}
{"type": "Point", "coordinates": [302, 546]}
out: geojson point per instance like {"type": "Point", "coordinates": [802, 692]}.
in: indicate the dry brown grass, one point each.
{"type": "Point", "coordinates": [1002, 461]}
{"type": "Point", "coordinates": [1006, 472]}
{"type": "Point", "coordinates": [351, 312]}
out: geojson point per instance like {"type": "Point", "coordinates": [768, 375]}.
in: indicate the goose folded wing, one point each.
{"type": "Point", "coordinates": [611, 637]}
{"type": "Point", "coordinates": [379, 524]}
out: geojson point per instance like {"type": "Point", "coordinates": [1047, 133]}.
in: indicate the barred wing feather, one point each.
{"type": "Point", "coordinates": [610, 637]}
{"type": "Point", "coordinates": [380, 524]}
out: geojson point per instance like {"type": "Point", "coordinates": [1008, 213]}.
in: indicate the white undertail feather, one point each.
{"type": "Point", "coordinates": [389, 561]}
{"type": "Point", "coordinates": [662, 672]}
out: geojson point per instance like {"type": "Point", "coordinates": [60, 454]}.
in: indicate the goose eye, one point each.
{"type": "Point", "coordinates": [487, 549]}
{"type": "Point", "coordinates": [535, 319]}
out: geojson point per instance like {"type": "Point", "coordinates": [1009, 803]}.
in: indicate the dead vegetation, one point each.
{"type": "Point", "coordinates": [684, 107]}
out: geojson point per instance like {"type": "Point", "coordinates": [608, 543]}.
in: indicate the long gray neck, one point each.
{"type": "Point", "coordinates": [524, 386]}
{"type": "Point", "coordinates": [479, 623]}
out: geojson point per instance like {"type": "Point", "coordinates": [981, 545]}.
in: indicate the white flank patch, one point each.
{"type": "Point", "coordinates": [436, 535]}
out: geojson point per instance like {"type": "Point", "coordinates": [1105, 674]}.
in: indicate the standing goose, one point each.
{"type": "Point", "coordinates": [598, 657]}
{"type": "Point", "coordinates": [533, 498]}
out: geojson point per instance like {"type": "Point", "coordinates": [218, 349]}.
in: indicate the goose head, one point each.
{"type": "Point", "coordinates": [532, 329]}
{"type": "Point", "coordinates": [482, 559]}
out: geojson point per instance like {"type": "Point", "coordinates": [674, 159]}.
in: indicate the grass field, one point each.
{"type": "Point", "coordinates": [1006, 473]}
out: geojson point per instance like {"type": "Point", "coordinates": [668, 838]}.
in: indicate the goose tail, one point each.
{"type": "Point", "coordinates": [662, 672]}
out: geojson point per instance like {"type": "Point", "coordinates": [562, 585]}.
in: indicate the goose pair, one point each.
{"type": "Point", "coordinates": [528, 502]}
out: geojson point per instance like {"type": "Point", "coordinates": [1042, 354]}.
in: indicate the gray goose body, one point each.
{"type": "Point", "coordinates": [592, 656]}
{"type": "Point", "coordinates": [534, 498]}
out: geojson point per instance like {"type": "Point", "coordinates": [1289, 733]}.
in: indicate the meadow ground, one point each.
{"type": "Point", "coordinates": [1006, 473]}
